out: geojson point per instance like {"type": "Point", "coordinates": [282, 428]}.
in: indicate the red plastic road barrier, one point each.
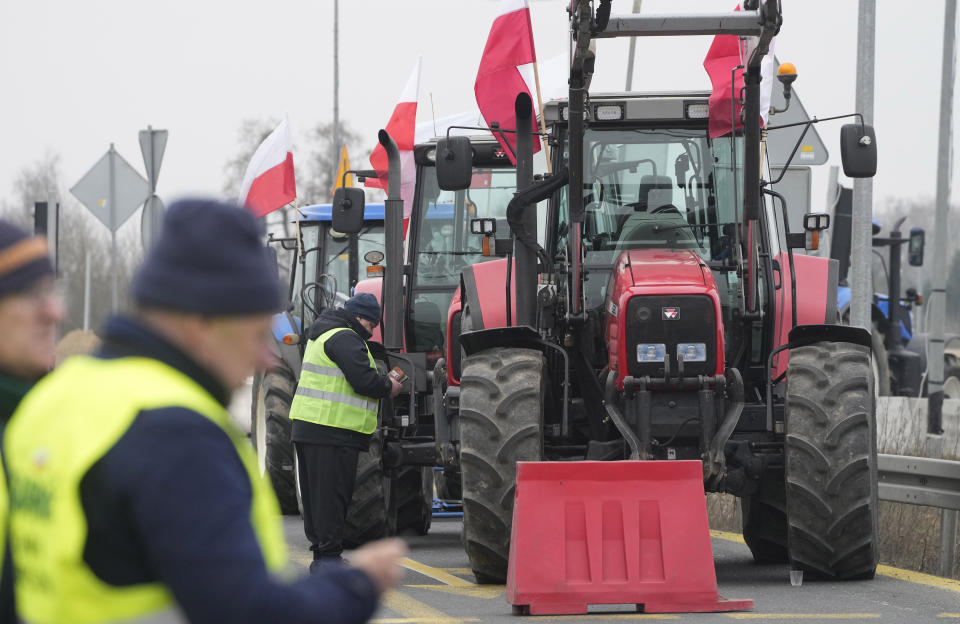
{"type": "Point", "coordinates": [622, 532]}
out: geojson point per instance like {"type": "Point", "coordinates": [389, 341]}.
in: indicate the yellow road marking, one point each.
{"type": "Point", "coordinates": [437, 574]}
{"type": "Point", "coordinates": [804, 616]}
{"type": "Point", "coordinates": [457, 570]}
{"type": "Point", "coordinates": [473, 591]}
{"type": "Point", "coordinates": [415, 611]}
{"type": "Point", "coordinates": [949, 615]}
{"type": "Point", "coordinates": [728, 536]}
{"type": "Point", "coordinates": [606, 616]}
{"type": "Point", "coordinates": [885, 570]}
{"type": "Point", "coordinates": [919, 577]}
{"type": "Point", "coordinates": [420, 621]}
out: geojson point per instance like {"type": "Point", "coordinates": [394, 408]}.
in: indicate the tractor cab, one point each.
{"type": "Point", "coordinates": [652, 180]}
{"type": "Point", "coordinates": [440, 242]}
{"type": "Point", "coordinates": [331, 262]}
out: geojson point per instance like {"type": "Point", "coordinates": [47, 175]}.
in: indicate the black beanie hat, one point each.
{"type": "Point", "coordinates": [209, 259]}
{"type": "Point", "coordinates": [23, 258]}
{"type": "Point", "coordinates": [365, 306]}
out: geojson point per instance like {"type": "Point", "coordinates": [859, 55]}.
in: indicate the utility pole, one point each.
{"type": "Point", "coordinates": [336, 81]}
{"type": "Point", "coordinates": [938, 296]}
{"type": "Point", "coordinates": [861, 286]}
{"type": "Point", "coordinates": [633, 50]}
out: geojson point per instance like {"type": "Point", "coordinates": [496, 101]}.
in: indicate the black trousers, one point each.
{"type": "Point", "coordinates": [327, 478]}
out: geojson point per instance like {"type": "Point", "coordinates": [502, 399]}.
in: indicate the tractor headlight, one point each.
{"type": "Point", "coordinates": [692, 351]}
{"type": "Point", "coordinates": [651, 352]}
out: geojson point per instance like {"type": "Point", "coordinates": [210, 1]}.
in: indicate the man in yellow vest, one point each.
{"type": "Point", "coordinates": [30, 311]}
{"type": "Point", "coordinates": [134, 498]}
{"type": "Point", "coordinates": [334, 413]}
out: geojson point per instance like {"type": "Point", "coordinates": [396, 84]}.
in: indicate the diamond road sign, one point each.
{"type": "Point", "coordinates": [129, 190]}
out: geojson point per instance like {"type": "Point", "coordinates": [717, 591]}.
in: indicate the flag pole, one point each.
{"type": "Point", "coordinates": [543, 126]}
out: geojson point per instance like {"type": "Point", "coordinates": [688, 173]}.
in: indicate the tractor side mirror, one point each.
{"type": "Point", "coordinates": [454, 163]}
{"type": "Point", "coordinates": [915, 247]}
{"type": "Point", "coordinates": [347, 214]}
{"type": "Point", "coordinates": [858, 150]}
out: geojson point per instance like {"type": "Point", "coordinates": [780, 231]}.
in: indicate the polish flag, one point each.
{"type": "Point", "coordinates": [725, 53]}
{"type": "Point", "coordinates": [269, 183]}
{"type": "Point", "coordinates": [507, 57]}
{"type": "Point", "coordinates": [402, 128]}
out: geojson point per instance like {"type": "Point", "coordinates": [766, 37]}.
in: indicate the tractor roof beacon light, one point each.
{"type": "Point", "coordinates": [786, 74]}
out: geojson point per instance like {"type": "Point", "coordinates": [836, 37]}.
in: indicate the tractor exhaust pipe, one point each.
{"type": "Point", "coordinates": [526, 257]}
{"type": "Point", "coordinates": [393, 230]}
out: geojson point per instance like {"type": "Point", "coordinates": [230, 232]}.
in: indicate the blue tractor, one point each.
{"type": "Point", "coordinates": [898, 367]}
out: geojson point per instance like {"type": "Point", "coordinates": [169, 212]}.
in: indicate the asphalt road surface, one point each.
{"type": "Point", "coordinates": [439, 589]}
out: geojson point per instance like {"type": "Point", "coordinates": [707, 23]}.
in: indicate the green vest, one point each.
{"type": "Point", "coordinates": [325, 397]}
{"type": "Point", "coordinates": [61, 429]}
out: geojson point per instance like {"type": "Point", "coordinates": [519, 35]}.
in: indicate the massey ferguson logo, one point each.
{"type": "Point", "coordinates": [671, 314]}
{"type": "Point", "coordinates": [499, 153]}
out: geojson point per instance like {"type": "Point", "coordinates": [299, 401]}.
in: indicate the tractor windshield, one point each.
{"type": "Point", "coordinates": [444, 243]}
{"type": "Point", "coordinates": [653, 188]}
{"type": "Point", "coordinates": [326, 265]}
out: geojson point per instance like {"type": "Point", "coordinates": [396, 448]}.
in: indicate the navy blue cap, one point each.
{"type": "Point", "coordinates": [23, 258]}
{"type": "Point", "coordinates": [365, 306]}
{"type": "Point", "coordinates": [209, 259]}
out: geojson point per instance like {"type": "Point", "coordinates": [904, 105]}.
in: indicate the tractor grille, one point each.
{"type": "Point", "coordinates": [670, 320]}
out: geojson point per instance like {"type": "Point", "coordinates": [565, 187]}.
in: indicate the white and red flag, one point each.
{"type": "Point", "coordinates": [725, 53]}
{"type": "Point", "coordinates": [269, 183]}
{"type": "Point", "coordinates": [402, 128]}
{"type": "Point", "coordinates": [500, 78]}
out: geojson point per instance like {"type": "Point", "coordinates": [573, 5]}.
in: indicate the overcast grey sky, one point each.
{"type": "Point", "coordinates": [79, 74]}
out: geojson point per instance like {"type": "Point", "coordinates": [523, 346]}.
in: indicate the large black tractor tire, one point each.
{"type": "Point", "coordinates": [502, 393]}
{"type": "Point", "coordinates": [764, 518]}
{"type": "Point", "coordinates": [413, 492]}
{"type": "Point", "coordinates": [367, 517]}
{"type": "Point", "coordinates": [831, 461]}
{"type": "Point", "coordinates": [270, 432]}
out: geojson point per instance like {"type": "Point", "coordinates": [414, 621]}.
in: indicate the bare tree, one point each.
{"type": "Point", "coordinates": [82, 238]}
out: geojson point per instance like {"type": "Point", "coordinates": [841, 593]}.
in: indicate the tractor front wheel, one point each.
{"type": "Point", "coordinates": [502, 392]}
{"type": "Point", "coordinates": [831, 461]}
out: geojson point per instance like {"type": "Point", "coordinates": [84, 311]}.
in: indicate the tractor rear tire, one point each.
{"type": "Point", "coordinates": [413, 489]}
{"type": "Point", "coordinates": [270, 432]}
{"type": "Point", "coordinates": [764, 518]}
{"type": "Point", "coordinates": [367, 517]}
{"type": "Point", "coordinates": [831, 461]}
{"type": "Point", "coordinates": [502, 392]}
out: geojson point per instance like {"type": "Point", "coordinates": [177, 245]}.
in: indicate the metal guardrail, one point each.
{"type": "Point", "coordinates": [929, 482]}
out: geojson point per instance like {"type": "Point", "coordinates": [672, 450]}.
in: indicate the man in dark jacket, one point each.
{"type": "Point", "coordinates": [334, 414]}
{"type": "Point", "coordinates": [30, 311]}
{"type": "Point", "coordinates": [135, 497]}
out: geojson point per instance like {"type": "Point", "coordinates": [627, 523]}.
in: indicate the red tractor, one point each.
{"type": "Point", "coordinates": [657, 317]}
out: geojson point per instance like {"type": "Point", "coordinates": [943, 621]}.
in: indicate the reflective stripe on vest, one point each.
{"type": "Point", "coordinates": [167, 616]}
{"type": "Point", "coordinates": [325, 397]}
{"type": "Point", "coordinates": [67, 423]}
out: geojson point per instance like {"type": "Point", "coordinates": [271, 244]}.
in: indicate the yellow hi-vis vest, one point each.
{"type": "Point", "coordinates": [60, 430]}
{"type": "Point", "coordinates": [325, 397]}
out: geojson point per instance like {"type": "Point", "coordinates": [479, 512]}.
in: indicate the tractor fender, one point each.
{"type": "Point", "coordinates": [803, 335]}
{"type": "Point", "coordinates": [452, 347]}
{"type": "Point", "coordinates": [374, 286]}
{"type": "Point", "coordinates": [817, 284]}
